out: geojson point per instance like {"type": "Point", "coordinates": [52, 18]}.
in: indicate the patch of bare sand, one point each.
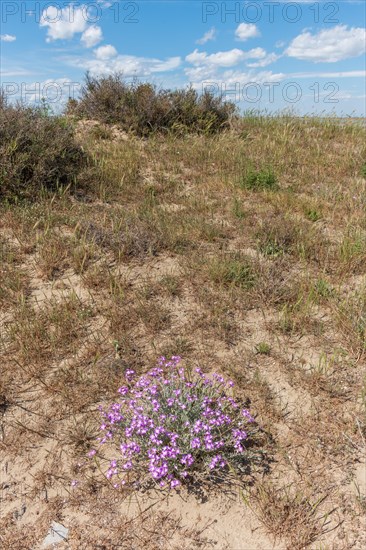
{"type": "Point", "coordinates": [293, 401]}
{"type": "Point", "coordinates": [223, 519]}
{"type": "Point", "coordinates": [158, 267]}
{"type": "Point", "coordinates": [356, 485]}
{"type": "Point", "coordinates": [113, 132]}
{"type": "Point", "coordinates": [222, 522]}
{"type": "Point", "coordinates": [69, 284]}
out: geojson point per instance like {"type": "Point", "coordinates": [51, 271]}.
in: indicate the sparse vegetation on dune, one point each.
{"type": "Point", "coordinates": [143, 109]}
{"type": "Point", "coordinates": [242, 251]}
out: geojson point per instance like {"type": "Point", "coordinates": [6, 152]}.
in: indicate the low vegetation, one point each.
{"type": "Point", "coordinates": [259, 180]}
{"type": "Point", "coordinates": [242, 251]}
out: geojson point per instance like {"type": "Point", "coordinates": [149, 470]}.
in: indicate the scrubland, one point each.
{"type": "Point", "coordinates": [243, 252]}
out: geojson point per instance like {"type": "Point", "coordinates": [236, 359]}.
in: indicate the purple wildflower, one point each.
{"type": "Point", "coordinates": [167, 421]}
{"type": "Point", "coordinates": [187, 460]}
{"type": "Point", "coordinates": [129, 374]}
{"type": "Point", "coordinates": [195, 443]}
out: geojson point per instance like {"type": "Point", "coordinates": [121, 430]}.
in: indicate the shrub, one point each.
{"type": "Point", "coordinates": [37, 151]}
{"type": "Point", "coordinates": [259, 180]}
{"type": "Point", "coordinates": [170, 425]}
{"type": "Point", "coordinates": [143, 109]}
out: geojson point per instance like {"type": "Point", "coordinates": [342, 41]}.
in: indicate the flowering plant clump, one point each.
{"type": "Point", "coordinates": [171, 423]}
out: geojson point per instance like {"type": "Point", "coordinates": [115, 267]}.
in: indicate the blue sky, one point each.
{"type": "Point", "coordinates": [306, 56]}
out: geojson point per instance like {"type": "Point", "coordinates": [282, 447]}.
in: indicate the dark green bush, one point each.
{"type": "Point", "coordinates": [143, 108]}
{"type": "Point", "coordinates": [37, 152]}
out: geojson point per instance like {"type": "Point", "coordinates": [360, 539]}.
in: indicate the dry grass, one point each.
{"type": "Point", "coordinates": [291, 513]}
{"type": "Point", "coordinates": [175, 249]}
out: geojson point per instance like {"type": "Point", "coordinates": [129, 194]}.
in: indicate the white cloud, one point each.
{"type": "Point", "coordinates": [197, 74]}
{"type": "Point", "coordinates": [209, 66]}
{"type": "Point", "coordinates": [63, 23]}
{"type": "Point", "coordinates": [328, 45]}
{"type": "Point", "coordinates": [227, 58]}
{"type": "Point", "coordinates": [220, 59]}
{"type": "Point", "coordinates": [209, 35]}
{"type": "Point", "coordinates": [335, 74]}
{"type": "Point", "coordinates": [220, 66]}
{"type": "Point", "coordinates": [256, 53]}
{"type": "Point", "coordinates": [262, 77]}
{"type": "Point", "coordinates": [91, 36]}
{"type": "Point", "coordinates": [232, 82]}
{"type": "Point", "coordinates": [348, 95]}
{"type": "Point", "coordinates": [105, 52]}
{"type": "Point", "coordinates": [246, 30]}
{"type": "Point", "coordinates": [168, 65]}
{"type": "Point", "coordinates": [267, 60]}
{"type": "Point", "coordinates": [15, 72]}
{"type": "Point", "coordinates": [7, 38]}
{"type": "Point", "coordinates": [128, 65]}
